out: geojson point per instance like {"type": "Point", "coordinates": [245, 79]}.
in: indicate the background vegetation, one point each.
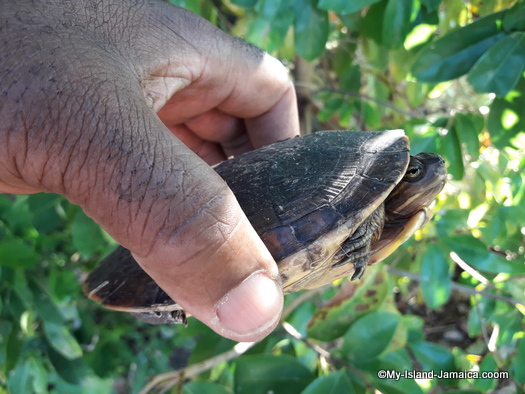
{"type": "Point", "coordinates": [450, 73]}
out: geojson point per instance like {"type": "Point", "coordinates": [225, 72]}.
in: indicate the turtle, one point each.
{"type": "Point", "coordinates": [326, 205]}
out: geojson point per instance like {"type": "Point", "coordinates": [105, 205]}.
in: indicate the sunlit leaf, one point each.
{"type": "Point", "coordinates": [336, 382]}
{"type": "Point", "coordinates": [370, 336]}
{"type": "Point", "coordinates": [514, 18]}
{"type": "Point", "coordinates": [506, 118]}
{"type": "Point", "coordinates": [396, 23]}
{"type": "Point", "coordinates": [265, 372]}
{"type": "Point", "coordinates": [500, 67]}
{"type": "Point", "coordinates": [310, 29]}
{"type": "Point", "coordinates": [432, 356]}
{"type": "Point", "coordinates": [269, 29]}
{"type": "Point", "coordinates": [469, 128]}
{"type": "Point", "coordinates": [197, 387]}
{"type": "Point", "coordinates": [345, 6]}
{"type": "Point", "coordinates": [476, 254]}
{"type": "Point", "coordinates": [354, 300]}
{"type": "Point", "coordinates": [454, 54]}
{"type": "Point", "coordinates": [17, 254]}
{"type": "Point", "coordinates": [451, 150]}
{"type": "Point", "coordinates": [435, 277]}
{"type": "Point", "coordinates": [87, 236]}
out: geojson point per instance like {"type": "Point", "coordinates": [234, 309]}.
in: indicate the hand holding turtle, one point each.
{"type": "Point", "coordinates": [105, 106]}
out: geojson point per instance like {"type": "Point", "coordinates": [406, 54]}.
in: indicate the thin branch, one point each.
{"type": "Point", "coordinates": [366, 97]}
{"type": "Point", "coordinates": [169, 379]}
{"type": "Point", "coordinates": [460, 288]}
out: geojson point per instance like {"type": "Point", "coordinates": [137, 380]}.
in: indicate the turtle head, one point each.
{"type": "Point", "coordinates": [407, 208]}
{"type": "Point", "coordinates": [423, 180]}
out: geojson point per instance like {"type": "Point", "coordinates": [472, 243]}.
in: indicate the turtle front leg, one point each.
{"type": "Point", "coordinates": [357, 248]}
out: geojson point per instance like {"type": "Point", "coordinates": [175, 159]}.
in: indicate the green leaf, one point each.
{"type": "Point", "coordinates": [514, 18]}
{"type": "Point", "coordinates": [435, 277]}
{"type": "Point", "coordinates": [451, 150]}
{"type": "Point", "coordinates": [431, 5]}
{"type": "Point", "coordinates": [197, 387]}
{"type": "Point", "coordinates": [244, 3]}
{"type": "Point", "coordinates": [17, 254]}
{"type": "Point", "coordinates": [354, 300]}
{"type": "Point", "coordinates": [396, 23]}
{"type": "Point", "coordinates": [516, 369]}
{"type": "Point", "coordinates": [469, 127]}
{"type": "Point", "coordinates": [61, 340]}
{"type": "Point", "coordinates": [506, 118]}
{"type": "Point", "coordinates": [39, 376]}
{"type": "Point", "coordinates": [72, 371]}
{"type": "Point", "coordinates": [432, 356]}
{"type": "Point", "coordinates": [500, 67]}
{"type": "Point", "coordinates": [13, 348]}
{"type": "Point", "coordinates": [475, 253]}
{"type": "Point", "coordinates": [395, 361]}
{"type": "Point", "coordinates": [44, 207]}
{"type": "Point", "coordinates": [310, 29]}
{"type": "Point", "coordinates": [454, 54]}
{"type": "Point", "coordinates": [345, 6]}
{"type": "Point", "coordinates": [370, 26]}
{"type": "Point", "coordinates": [350, 80]}
{"type": "Point", "coordinates": [268, 30]}
{"type": "Point", "coordinates": [265, 372]}
{"type": "Point", "coordinates": [370, 336]}
{"type": "Point", "coordinates": [487, 365]}
{"type": "Point", "coordinates": [20, 378]}
{"type": "Point", "coordinates": [87, 236]}
{"type": "Point", "coordinates": [335, 382]}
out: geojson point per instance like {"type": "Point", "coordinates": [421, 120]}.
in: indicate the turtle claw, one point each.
{"type": "Point", "coordinates": [358, 272]}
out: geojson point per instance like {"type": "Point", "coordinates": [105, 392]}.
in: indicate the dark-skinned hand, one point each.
{"type": "Point", "coordinates": [121, 106]}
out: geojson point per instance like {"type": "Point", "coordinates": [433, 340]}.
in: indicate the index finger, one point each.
{"type": "Point", "coordinates": [263, 94]}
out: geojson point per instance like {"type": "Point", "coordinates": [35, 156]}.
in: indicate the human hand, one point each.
{"type": "Point", "coordinates": [111, 104]}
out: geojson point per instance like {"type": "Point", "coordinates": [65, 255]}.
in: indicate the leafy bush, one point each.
{"type": "Point", "coordinates": [452, 75]}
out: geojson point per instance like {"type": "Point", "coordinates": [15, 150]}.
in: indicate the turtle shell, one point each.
{"type": "Point", "coordinates": [304, 196]}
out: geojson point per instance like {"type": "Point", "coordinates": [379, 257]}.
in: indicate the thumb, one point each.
{"type": "Point", "coordinates": [185, 228]}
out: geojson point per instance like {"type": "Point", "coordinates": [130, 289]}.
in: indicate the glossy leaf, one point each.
{"type": "Point", "coordinates": [517, 370]}
{"type": "Point", "coordinates": [20, 378]}
{"type": "Point", "coordinates": [487, 365]}
{"type": "Point", "coordinates": [87, 236]}
{"type": "Point", "coordinates": [17, 254]}
{"type": "Point", "coordinates": [336, 382]}
{"type": "Point", "coordinates": [454, 54]}
{"type": "Point", "coordinates": [514, 18]}
{"type": "Point", "coordinates": [396, 23]}
{"type": "Point", "coordinates": [500, 67]}
{"type": "Point", "coordinates": [370, 336]}
{"type": "Point", "coordinates": [469, 128]}
{"type": "Point", "coordinates": [265, 372]}
{"type": "Point", "coordinates": [345, 6]}
{"type": "Point", "coordinates": [61, 340]}
{"type": "Point", "coordinates": [432, 356]}
{"type": "Point", "coordinates": [310, 29]}
{"type": "Point", "coordinates": [392, 362]}
{"type": "Point", "coordinates": [275, 17]}
{"type": "Point", "coordinates": [476, 254]}
{"type": "Point", "coordinates": [435, 277]}
{"type": "Point", "coordinates": [355, 300]}
{"type": "Point", "coordinates": [451, 150]}
{"type": "Point", "coordinates": [244, 3]}
{"type": "Point", "coordinates": [197, 387]}
{"type": "Point", "coordinates": [506, 118]}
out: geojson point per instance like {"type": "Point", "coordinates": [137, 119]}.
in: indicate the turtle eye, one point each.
{"type": "Point", "coordinates": [413, 173]}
